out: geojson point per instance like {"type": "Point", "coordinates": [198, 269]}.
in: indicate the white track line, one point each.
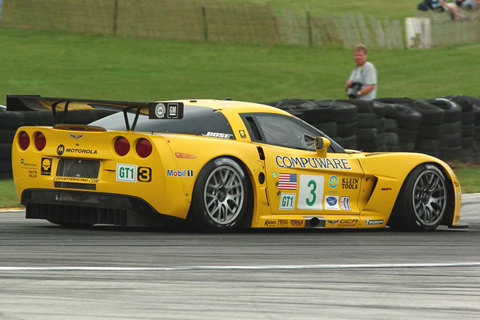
{"type": "Point", "coordinates": [266, 267]}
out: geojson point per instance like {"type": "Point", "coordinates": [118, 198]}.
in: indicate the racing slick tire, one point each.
{"type": "Point", "coordinates": [220, 197]}
{"type": "Point", "coordinates": [422, 202]}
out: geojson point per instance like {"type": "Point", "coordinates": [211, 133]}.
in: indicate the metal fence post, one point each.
{"type": "Point", "coordinates": [205, 29]}
{"type": "Point", "coordinates": [115, 17]}
{"type": "Point", "coordinates": [309, 26]}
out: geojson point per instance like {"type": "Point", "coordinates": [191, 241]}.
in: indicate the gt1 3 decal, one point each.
{"type": "Point", "coordinates": [287, 201]}
{"type": "Point", "coordinates": [130, 173]}
{"type": "Point", "coordinates": [126, 172]}
{"type": "Point", "coordinates": [310, 195]}
{"type": "Point", "coordinates": [313, 163]}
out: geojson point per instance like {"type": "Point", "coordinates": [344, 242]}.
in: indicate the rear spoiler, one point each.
{"type": "Point", "coordinates": [156, 110]}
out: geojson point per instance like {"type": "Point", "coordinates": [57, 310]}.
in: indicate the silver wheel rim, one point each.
{"type": "Point", "coordinates": [224, 195]}
{"type": "Point", "coordinates": [430, 197]}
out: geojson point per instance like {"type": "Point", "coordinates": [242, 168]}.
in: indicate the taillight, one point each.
{"type": "Point", "coordinates": [122, 146]}
{"type": "Point", "coordinates": [23, 140]}
{"type": "Point", "coordinates": [40, 141]}
{"type": "Point", "coordinates": [143, 148]}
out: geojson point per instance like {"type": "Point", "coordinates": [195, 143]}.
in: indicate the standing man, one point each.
{"type": "Point", "coordinates": [362, 83]}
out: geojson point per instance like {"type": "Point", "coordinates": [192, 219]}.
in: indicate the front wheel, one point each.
{"type": "Point", "coordinates": [422, 202]}
{"type": "Point", "coordinates": [220, 197]}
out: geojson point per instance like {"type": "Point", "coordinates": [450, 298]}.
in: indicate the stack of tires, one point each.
{"type": "Point", "coordinates": [343, 124]}
{"type": "Point", "coordinates": [430, 133]}
{"type": "Point", "coordinates": [451, 139]}
{"type": "Point", "coordinates": [469, 115]}
{"type": "Point", "coordinates": [407, 118]}
{"type": "Point", "coordinates": [9, 122]}
{"type": "Point", "coordinates": [370, 126]}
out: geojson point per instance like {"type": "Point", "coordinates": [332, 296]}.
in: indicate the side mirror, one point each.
{"type": "Point", "coordinates": [321, 146]}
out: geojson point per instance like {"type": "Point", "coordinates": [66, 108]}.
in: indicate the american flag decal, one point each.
{"type": "Point", "coordinates": [287, 181]}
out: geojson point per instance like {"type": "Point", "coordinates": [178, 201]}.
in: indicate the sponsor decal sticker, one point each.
{"type": "Point", "coordinates": [331, 203]}
{"type": "Point", "coordinates": [126, 172]}
{"type": "Point", "coordinates": [333, 182]}
{"type": "Point", "coordinates": [345, 203]}
{"type": "Point", "coordinates": [270, 223]}
{"type": "Point", "coordinates": [179, 173]}
{"type": "Point", "coordinates": [369, 222]}
{"type": "Point", "coordinates": [296, 223]}
{"type": "Point", "coordinates": [76, 137]}
{"type": "Point", "coordinates": [61, 150]}
{"type": "Point", "coordinates": [310, 195]}
{"type": "Point", "coordinates": [287, 201]}
{"type": "Point", "coordinates": [350, 183]}
{"type": "Point", "coordinates": [283, 223]}
{"type": "Point", "coordinates": [46, 166]}
{"type": "Point", "coordinates": [219, 135]}
{"type": "Point", "coordinates": [242, 133]}
{"type": "Point", "coordinates": [32, 173]}
{"type": "Point", "coordinates": [312, 163]}
{"type": "Point", "coordinates": [287, 181]}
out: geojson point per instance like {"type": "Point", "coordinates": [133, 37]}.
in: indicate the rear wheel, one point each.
{"type": "Point", "coordinates": [220, 197]}
{"type": "Point", "coordinates": [422, 202]}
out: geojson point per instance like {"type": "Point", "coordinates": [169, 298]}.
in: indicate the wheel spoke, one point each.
{"type": "Point", "coordinates": [224, 194]}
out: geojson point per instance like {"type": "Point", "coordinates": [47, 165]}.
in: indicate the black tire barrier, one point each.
{"type": "Point", "coordinates": [5, 150]}
{"type": "Point", "coordinates": [11, 120]}
{"type": "Point", "coordinates": [451, 109]}
{"type": "Point", "coordinates": [431, 114]}
{"type": "Point", "coordinates": [5, 169]}
{"type": "Point", "coordinates": [329, 128]}
{"type": "Point", "coordinates": [346, 129]}
{"type": "Point", "coordinates": [7, 135]}
{"type": "Point", "coordinates": [430, 132]}
{"type": "Point", "coordinates": [407, 117]}
{"type": "Point", "coordinates": [349, 142]}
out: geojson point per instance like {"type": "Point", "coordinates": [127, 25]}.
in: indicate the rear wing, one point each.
{"type": "Point", "coordinates": [61, 106]}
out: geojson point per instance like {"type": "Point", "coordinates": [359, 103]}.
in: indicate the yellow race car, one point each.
{"type": "Point", "coordinates": [219, 165]}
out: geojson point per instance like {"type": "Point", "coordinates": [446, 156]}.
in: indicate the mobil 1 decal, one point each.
{"type": "Point", "coordinates": [310, 194]}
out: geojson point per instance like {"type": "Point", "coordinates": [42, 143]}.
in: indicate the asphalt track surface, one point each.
{"type": "Point", "coordinates": [48, 272]}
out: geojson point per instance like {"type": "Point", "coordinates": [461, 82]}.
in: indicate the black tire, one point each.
{"type": "Point", "coordinates": [329, 128]}
{"type": "Point", "coordinates": [220, 197]}
{"type": "Point", "coordinates": [346, 129]}
{"type": "Point", "coordinates": [407, 117]}
{"type": "Point", "coordinates": [422, 202]}
{"type": "Point", "coordinates": [452, 110]}
{"type": "Point", "coordinates": [7, 135]}
{"type": "Point", "coordinates": [431, 115]}
{"type": "Point", "coordinates": [5, 150]}
{"type": "Point", "coordinates": [12, 120]}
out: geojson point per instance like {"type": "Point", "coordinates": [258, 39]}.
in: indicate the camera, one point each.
{"type": "Point", "coordinates": [353, 89]}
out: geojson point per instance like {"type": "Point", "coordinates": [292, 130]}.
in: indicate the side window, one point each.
{"type": "Point", "coordinates": [281, 130]}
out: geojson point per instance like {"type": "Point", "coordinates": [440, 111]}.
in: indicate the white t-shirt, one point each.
{"type": "Point", "coordinates": [366, 74]}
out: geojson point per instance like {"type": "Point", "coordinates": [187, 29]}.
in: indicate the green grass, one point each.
{"type": "Point", "coordinates": [80, 66]}
{"type": "Point", "coordinates": [8, 197]}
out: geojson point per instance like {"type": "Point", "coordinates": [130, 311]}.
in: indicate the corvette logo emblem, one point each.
{"type": "Point", "coordinates": [76, 137]}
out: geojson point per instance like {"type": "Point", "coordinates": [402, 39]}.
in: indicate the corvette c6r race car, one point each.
{"type": "Point", "coordinates": [218, 165]}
